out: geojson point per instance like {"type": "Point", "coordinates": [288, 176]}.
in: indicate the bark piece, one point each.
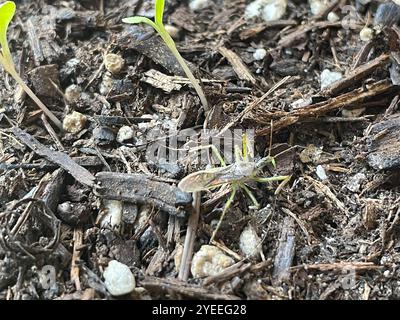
{"type": "Point", "coordinates": [314, 111]}
{"type": "Point", "coordinates": [142, 189]}
{"type": "Point", "coordinates": [285, 251]}
{"type": "Point", "coordinates": [237, 64]}
{"type": "Point", "coordinates": [384, 144]}
{"type": "Point", "coordinates": [63, 160]}
{"type": "Point", "coordinates": [42, 79]}
{"type": "Point", "coordinates": [133, 37]}
{"type": "Point", "coordinates": [356, 75]}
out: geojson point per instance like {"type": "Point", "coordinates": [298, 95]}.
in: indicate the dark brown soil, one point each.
{"type": "Point", "coordinates": [333, 237]}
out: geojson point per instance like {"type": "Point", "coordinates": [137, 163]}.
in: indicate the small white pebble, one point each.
{"type": "Point", "coordinates": [125, 133]}
{"type": "Point", "coordinates": [253, 9]}
{"type": "Point", "coordinates": [259, 54]}
{"type": "Point", "coordinates": [332, 17]}
{"type": "Point", "coordinates": [173, 31]}
{"type": "Point", "coordinates": [274, 10]}
{"type": "Point", "coordinates": [321, 173]}
{"type": "Point", "coordinates": [114, 63]}
{"type": "Point", "coordinates": [143, 126]}
{"type": "Point", "coordinates": [118, 278]}
{"type": "Point", "coordinates": [209, 261]}
{"type": "Point", "coordinates": [249, 242]}
{"type": "Point", "coordinates": [72, 93]}
{"type": "Point", "coordinates": [197, 5]}
{"type": "Point", "coordinates": [107, 84]}
{"type": "Point", "coordinates": [318, 6]}
{"type": "Point", "coordinates": [355, 182]}
{"type": "Point", "coordinates": [366, 34]}
{"type": "Point", "coordinates": [328, 77]}
{"type": "Point", "coordinates": [74, 122]}
{"type": "Point", "coordinates": [113, 214]}
{"type": "Point", "coordinates": [386, 273]}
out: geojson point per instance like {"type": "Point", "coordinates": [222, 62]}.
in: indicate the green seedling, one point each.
{"type": "Point", "coordinates": [237, 176]}
{"type": "Point", "coordinates": [158, 25]}
{"type": "Point", "coordinates": [7, 11]}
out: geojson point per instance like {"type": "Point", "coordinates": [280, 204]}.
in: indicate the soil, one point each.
{"type": "Point", "coordinates": [331, 232]}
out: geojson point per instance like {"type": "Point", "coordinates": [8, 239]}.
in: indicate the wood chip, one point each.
{"type": "Point", "coordinates": [285, 251]}
{"type": "Point", "coordinates": [356, 75]}
{"type": "Point", "coordinates": [161, 81]}
{"type": "Point", "coordinates": [230, 272]}
{"type": "Point", "coordinates": [63, 160]}
{"type": "Point", "coordinates": [142, 189]}
{"type": "Point", "coordinates": [257, 29]}
{"type": "Point", "coordinates": [300, 32]}
{"type": "Point", "coordinates": [78, 240]}
{"type": "Point", "coordinates": [133, 37]}
{"type": "Point", "coordinates": [237, 64]}
{"type": "Point", "coordinates": [172, 286]}
{"type": "Point", "coordinates": [383, 144]}
{"type": "Point", "coordinates": [324, 190]}
{"type": "Point", "coordinates": [339, 266]}
{"type": "Point", "coordinates": [314, 111]}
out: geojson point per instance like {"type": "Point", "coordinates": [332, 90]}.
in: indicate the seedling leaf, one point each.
{"type": "Point", "coordinates": [138, 19]}
{"type": "Point", "coordinates": [7, 11]}
{"type": "Point", "coordinates": [159, 11]}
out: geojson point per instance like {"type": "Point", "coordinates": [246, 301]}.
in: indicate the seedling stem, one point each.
{"type": "Point", "coordinates": [158, 25]}
{"type": "Point", "coordinates": [7, 11]}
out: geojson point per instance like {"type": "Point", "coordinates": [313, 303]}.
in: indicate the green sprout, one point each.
{"type": "Point", "coordinates": [158, 25]}
{"type": "Point", "coordinates": [7, 11]}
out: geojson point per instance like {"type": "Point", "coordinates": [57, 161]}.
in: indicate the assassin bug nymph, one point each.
{"type": "Point", "coordinates": [236, 175]}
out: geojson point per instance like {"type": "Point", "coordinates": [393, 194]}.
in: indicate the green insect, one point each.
{"type": "Point", "coordinates": [238, 175]}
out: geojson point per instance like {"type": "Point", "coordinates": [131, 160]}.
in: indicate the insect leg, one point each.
{"type": "Point", "coordinates": [282, 184]}
{"type": "Point", "coordinates": [218, 155]}
{"type": "Point", "coordinates": [227, 205]}
{"type": "Point", "coordinates": [270, 179]}
{"type": "Point", "coordinates": [214, 150]}
{"type": "Point", "coordinates": [284, 179]}
{"type": "Point", "coordinates": [251, 195]}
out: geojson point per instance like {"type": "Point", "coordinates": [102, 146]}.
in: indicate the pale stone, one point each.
{"type": "Point", "coordinates": [209, 261]}
{"type": "Point", "coordinates": [250, 242]}
{"type": "Point", "coordinates": [113, 214]}
{"type": "Point", "coordinates": [259, 54]}
{"type": "Point", "coordinates": [197, 5]}
{"type": "Point", "coordinates": [366, 34]}
{"type": "Point", "coordinates": [125, 133]}
{"type": "Point", "coordinates": [332, 17]}
{"type": "Point", "coordinates": [173, 31]}
{"type": "Point", "coordinates": [74, 122]}
{"type": "Point", "coordinates": [274, 10]}
{"type": "Point", "coordinates": [318, 6]}
{"type": "Point", "coordinates": [328, 77]}
{"type": "Point", "coordinates": [72, 93]}
{"type": "Point", "coordinates": [269, 10]}
{"type": "Point", "coordinates": [118, 278]}
{"type": "Point", "coordinates": [113, 63]}
{"type": "Point", "coordinates": [321, 173]}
